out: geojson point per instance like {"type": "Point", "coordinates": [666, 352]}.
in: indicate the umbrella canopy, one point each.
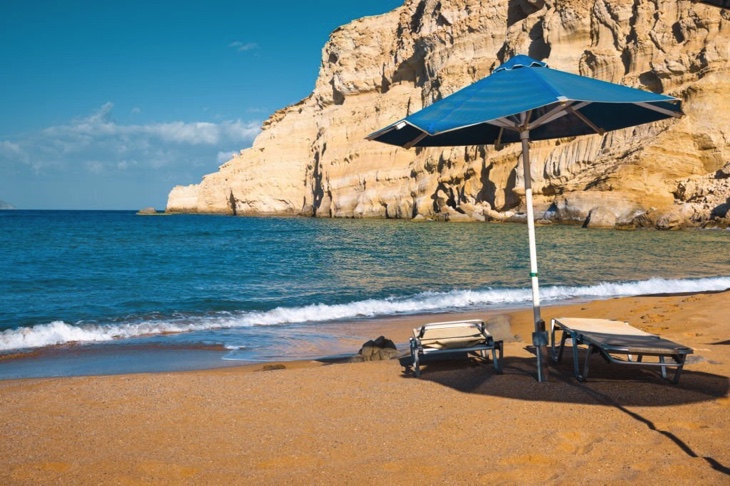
{"type": "Point", "coordinates": [524, 100]}
{"type": "Point", "coordinates": [559, 104]}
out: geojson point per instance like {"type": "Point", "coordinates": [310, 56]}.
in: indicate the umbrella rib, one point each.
{"type": "Point", "coordinates": [585, 120]}
{"type": "Point", "coordinates": [504, 123]}
{"type": "Point", "coordinates": [382, 131]}
{"type": "Point", "coordinates": [663, 111]}
{"type": "Point", "coordinates": [413, 142]}
{"type": "Point", "coordinates": [557, 112]}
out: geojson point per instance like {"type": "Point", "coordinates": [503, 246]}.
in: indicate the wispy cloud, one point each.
{"type": "Point", "coordinates": [100, 125]}
{"type": "Point", "coordinates": [226, 156]}
{"type": "Point", "coordinates": [103, 144]}
{"type": "Point", "coordinates": [9, 149]}
{"type": "Point", "coordinates": [243, 46]}
{"type": "Point", "coordinates": [98, 144]}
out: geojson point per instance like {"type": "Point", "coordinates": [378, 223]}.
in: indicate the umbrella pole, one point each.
{"type": "Point", "coordinates": [539, 337]}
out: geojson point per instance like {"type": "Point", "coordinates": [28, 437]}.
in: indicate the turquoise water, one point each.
{"type": "Point", "coordinates": [273, 288]}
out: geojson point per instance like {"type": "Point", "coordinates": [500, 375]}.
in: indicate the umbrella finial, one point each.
{"type": "Point", "coordinates": [520, 61]}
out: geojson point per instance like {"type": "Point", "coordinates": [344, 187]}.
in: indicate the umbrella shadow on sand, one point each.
{"type": "Point", "coordinates": [618, 387]}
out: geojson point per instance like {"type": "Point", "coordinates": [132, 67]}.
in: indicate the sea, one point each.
{"type": "Point", "coordinates": [104, 292]}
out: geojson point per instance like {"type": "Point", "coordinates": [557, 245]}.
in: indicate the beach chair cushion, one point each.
{"type": "Point", "coordinates": [451, 337]}
{"type": "Point", "coordinates": [620, 336]}
{"type": "Point", "coordinates": [618, 342]}
{"type": "Point", "coordinates": [469, 336]}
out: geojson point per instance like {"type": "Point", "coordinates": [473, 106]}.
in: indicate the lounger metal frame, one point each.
{"type": "Point", "coordinates": [632, 355]}
{"type": "Point", "coordinates": [418, 351]}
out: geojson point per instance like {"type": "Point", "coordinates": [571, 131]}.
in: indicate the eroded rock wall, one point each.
{"type": "Point", "coordinates": [312, 158]}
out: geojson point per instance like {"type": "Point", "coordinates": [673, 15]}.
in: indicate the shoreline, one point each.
{"type": "Point", "coordinates": [314, 422]}
{"type": "Point", "coordinates": [118, 358]}
{"type": "Point", "coordinates": [708, 225]}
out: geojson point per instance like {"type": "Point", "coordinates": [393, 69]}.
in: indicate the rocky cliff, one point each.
{"type": "Point", "coordinates": [312, 157]}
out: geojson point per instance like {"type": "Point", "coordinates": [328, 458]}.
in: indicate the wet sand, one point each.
{"type": "Point", "coordinates": [368, 423]}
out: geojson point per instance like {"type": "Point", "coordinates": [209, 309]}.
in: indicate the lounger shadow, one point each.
{"type": "Point", "coordinates": [617, 342]}
{"type": "Point", "coordinates": [452, 338]}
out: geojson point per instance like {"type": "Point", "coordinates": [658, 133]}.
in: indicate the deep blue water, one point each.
{"type": "Point", "coordinates": [115, 279]}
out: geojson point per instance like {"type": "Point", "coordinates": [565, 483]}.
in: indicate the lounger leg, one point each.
{"type": "Point", "coordinates": [576, 365]}
{"type": "Point", "coordinates": [414, 355]}
{"type": "Point", "coordinates": [562, 346]}
{"type": "Point", "coordinates": [663, 368]}
{"type": "Point", "coordinates": [589, 352]}
{"type": "Point", "coordinates": [497, 356]}
{"type": "Point", "coordinates": [678, 373]}
{"type": "Point", "coordinates": [552, 341]}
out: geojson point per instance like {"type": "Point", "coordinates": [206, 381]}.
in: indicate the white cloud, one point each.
{"type": "Point", "coordinates": [9, 149]}
{"type": "Point", "coordinates": [94, 166]}
{"type": "Point", "coordinates": [97, 143]}
{"type": "Point", "coordinates": [243, 46]}
{"type": "Point", "coordinates": [226, 156]}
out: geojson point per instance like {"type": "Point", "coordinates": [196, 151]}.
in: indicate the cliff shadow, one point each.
{"type": "Point", "coordinates": [715, 3]}
{"type": "Point", "coordinates": [488, 192]}
{"type": "Point", "coordinates": [721, 210]}
{"type": "Point", "coordinates": [518, 10]}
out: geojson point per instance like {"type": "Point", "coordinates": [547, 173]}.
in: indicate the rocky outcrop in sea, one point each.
{"type": "Point", "coordinates": [312, 158]}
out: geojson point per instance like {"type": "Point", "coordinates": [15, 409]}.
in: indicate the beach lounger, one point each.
{"type": "Point", "coordinates": [455, 337]}
{"type": "Point", "coordinates": [617, 342]}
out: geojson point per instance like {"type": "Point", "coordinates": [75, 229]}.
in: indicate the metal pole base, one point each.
{"type": "Point", "coordinates": [540, 341]}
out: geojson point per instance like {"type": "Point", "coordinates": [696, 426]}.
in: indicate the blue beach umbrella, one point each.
{"type": "Point", "coordinates": [524, 100]}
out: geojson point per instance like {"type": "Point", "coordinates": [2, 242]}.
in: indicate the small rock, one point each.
{"type": "Point", "coordinates": [379, 349]}
{"type": "Point", "coordinates": [386, 354]}
{"type": "Point", "coordinates": [442, 217]}
{"type": "Point", "coordinates": [671, 220]}
{"type": "Point", "coordinates": [147, 212]}
{"type": "Point", "coordinates": [383, 342]}
{"type": "Point", "coordinates": [723, 173]}
{"type": "Point", "coordinates": [600, 217]}
{"type": "Point", "coordinates": [625, 227]}
{"type": "Point", "coordinates": [367, 351]}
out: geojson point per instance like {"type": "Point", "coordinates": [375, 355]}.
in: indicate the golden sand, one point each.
{"type": "Point", "coordinates": [370, 423]}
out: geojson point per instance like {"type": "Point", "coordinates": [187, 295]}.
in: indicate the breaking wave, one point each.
{"type": "Point", "coordinates": [58, 332]}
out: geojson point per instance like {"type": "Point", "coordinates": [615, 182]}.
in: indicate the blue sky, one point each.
{"type": "Point", "coordinates": [109, 104]}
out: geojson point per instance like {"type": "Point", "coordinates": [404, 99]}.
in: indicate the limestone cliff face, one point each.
{"type": "Point", "coordinates": [312, 158]}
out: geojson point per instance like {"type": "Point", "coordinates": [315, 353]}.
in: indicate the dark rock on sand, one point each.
{"type": "Point", "coordinates": [379, 349]}
{"type": "Point", "coordinates": [272, 367]}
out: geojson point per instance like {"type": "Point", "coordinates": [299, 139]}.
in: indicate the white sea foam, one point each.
{"type": "Point", "coordinates": [58, 332]}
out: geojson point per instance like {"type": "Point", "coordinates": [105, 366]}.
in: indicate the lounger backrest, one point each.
{"type": "Point", "coordinates": [620, 336]}
{"type": "Point", "coordinates": [452, 335]}
{"type": "Point", "coordinates": [603, 326]}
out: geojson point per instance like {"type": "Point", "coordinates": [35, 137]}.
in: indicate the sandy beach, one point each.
{"type": "Point", "coordinates": [368, 423]}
